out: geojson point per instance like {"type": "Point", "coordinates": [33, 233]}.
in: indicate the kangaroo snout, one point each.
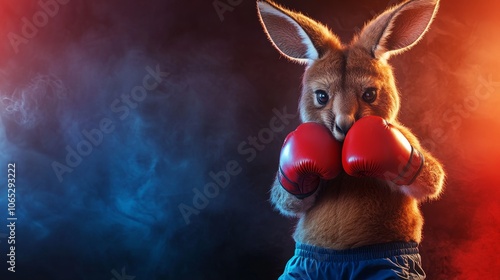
{"type": "Point", "coordinates": [342, 125]}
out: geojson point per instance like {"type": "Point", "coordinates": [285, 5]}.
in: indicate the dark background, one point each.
{"type": "Point", "coordinates": [117, 213]}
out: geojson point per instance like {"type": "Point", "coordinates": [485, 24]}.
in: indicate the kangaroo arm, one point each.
{"type": "Point", "coordinates": [289, 205]}
{"type": "Point", "coordinates": [429, 183]}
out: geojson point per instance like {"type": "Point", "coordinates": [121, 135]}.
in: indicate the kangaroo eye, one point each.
{"type": "Point", "coordinates": [370, 95]}
{"type": "Point", "coordinates": [321, 96]}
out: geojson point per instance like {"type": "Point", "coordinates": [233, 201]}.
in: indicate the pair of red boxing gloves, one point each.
{"type": "Point", "coordinates": [371, 148]}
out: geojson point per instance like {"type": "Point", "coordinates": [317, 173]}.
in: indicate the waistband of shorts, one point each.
{"type": "Point", "coordinates": [378, 251]}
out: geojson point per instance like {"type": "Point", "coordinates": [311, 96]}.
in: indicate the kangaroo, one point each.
{"type": "Point", "coordinates": [342, 84]}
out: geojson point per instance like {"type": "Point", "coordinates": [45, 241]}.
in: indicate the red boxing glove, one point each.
{"type": "Point", "coordinates": [374, 148]}
{"type": "Point", "coordinates": [309, 154]}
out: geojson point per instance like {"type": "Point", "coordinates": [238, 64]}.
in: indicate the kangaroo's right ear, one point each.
{"type": "Point", "coordinates": [398, 28]}
{"type": "Point", "coordinates": [296, 36]}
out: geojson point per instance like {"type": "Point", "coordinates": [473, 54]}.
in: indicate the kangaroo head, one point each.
{"type": "Point", "coordinates": [343, 83]}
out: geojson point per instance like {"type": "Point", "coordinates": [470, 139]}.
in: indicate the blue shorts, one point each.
{"type": "Point", "coordinates": [399, 260]}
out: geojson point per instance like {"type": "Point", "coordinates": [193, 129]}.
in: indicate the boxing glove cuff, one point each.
{"type": "Point", "coordinates": [411, 170]}
{"type": "Point", "coordinates": [308, 185]}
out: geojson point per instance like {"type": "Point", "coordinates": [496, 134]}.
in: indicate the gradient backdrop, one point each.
{"type": "Point", "coordinates": [75, 67]}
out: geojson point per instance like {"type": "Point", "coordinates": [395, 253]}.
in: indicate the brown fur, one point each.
{"type": "Point", "coordinates": [350, 212]}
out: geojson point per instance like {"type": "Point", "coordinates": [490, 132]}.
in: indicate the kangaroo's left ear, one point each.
{"type": "Point", "coordinates": [296, 36]}
{"type": "Point", "coordinates": [398, 28]}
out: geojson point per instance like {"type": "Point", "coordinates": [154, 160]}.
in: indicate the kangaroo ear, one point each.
{"type": "Point", "coordinates": [398, 28]}
{"type": "Point", "coordinates": [296, 36]}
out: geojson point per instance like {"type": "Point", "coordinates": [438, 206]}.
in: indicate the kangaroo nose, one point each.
{"type": "Point", "coordinates": [342, 129]}
{"type": "Point", "coordinates": [343, 124]}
